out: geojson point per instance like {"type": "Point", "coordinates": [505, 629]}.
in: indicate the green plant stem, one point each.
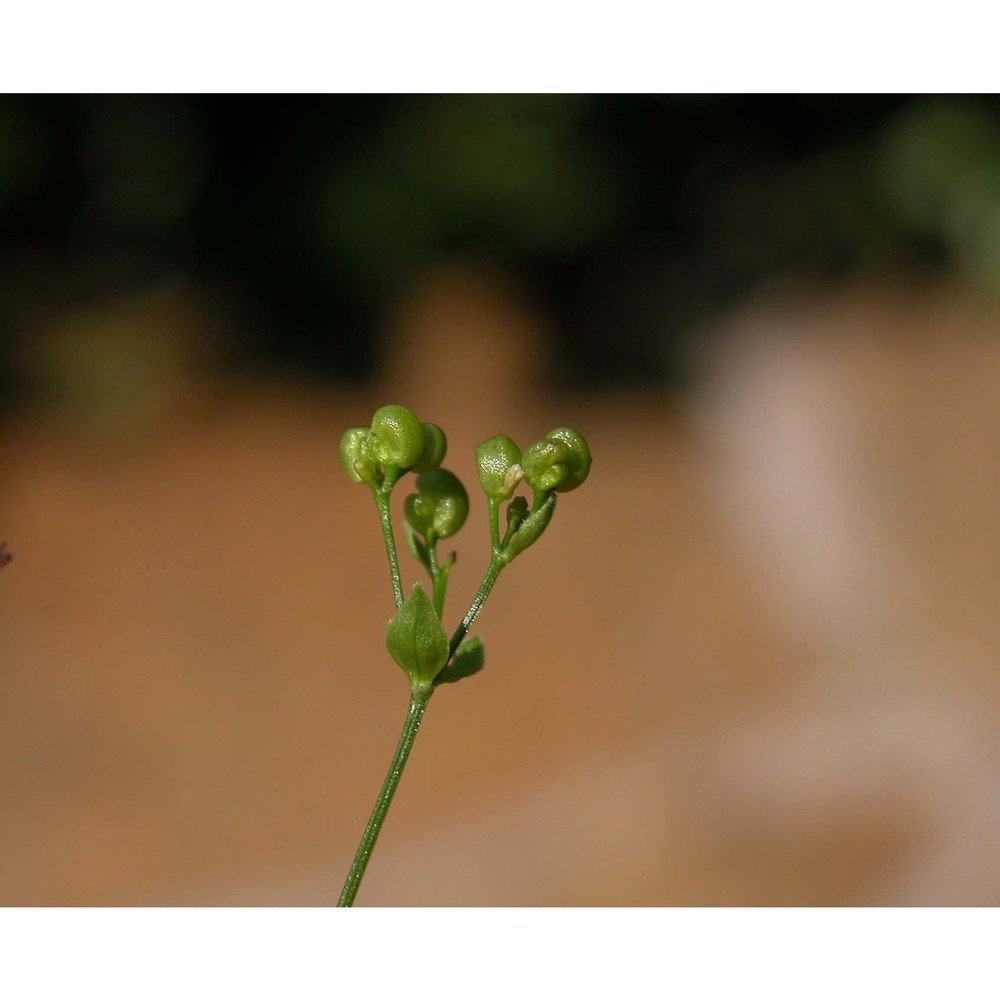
{"type": "Point", "coordinates": [439, 577]}
{"type": "Point", "coordinates": [385, 519]}
{"type": "Point", "coordinates": [493, 505]}
{"type": "Point", "coordinates": [418, 703]}
{"type": "Point", "coordinates": [497, 563]}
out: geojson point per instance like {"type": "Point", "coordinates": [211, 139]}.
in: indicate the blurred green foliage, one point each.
{"type": "Point", "coordinates": [514, 173]}
{"type": "Point", "coordinates": [627, 220]}
{"type": "Point", "coordinates": [941, 161]}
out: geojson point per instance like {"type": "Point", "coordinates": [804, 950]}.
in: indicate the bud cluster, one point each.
{"type": "Point", "coordinates": [395, 443]}
{"type": "Point", "coordinates": [560, 462]}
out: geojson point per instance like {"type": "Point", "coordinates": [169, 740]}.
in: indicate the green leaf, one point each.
{"type": "Point", "coordinates": [416, 640]}
{"type": "Point", "coordinates": [517, 511]}
{"type": "Point", "coordinates": [416, 546]}
{"type": "Point", "coordinates": [468, 660]}
{"type": "Point", "coordinates": [531, 528]}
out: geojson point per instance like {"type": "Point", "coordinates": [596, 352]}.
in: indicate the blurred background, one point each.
{"type": "Point", "coordinates": [755, 659]}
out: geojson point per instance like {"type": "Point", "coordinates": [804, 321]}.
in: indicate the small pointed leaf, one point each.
{"type": "Point", "coordinates": [468, 660]}
{"type": "Point", "coordinates": [416, 546]}
{"type": "Point", "coordinates": [416, 640]}
{"type": "Point", "coordinates": [531, 528]}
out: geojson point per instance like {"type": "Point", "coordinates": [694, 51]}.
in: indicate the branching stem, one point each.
{"type": "Point", "coordinates": [497, 563]}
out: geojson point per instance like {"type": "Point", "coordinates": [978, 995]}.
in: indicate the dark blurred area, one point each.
{"type": "Point", "coordinates": [299, 221]}
{"type": "Point", "coordinates": [756, 662]}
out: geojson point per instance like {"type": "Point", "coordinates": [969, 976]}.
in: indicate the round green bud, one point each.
{"type": "Point", "coordinates": [398, 436]}
{"type": "Point", "coordinates": [543, 465]}
{"type": "Point", "coordinates": [441, 506]}
{"type": "Point", "coordinates": [354, 455]}
{"type": "Point", "coordinates": [498, 460]}
{"type": "Point", "coordinates": [435, 447]}
{"type": "Point", "coordinates": [560, 462]}
{"type": "Point", "coordinates": [578, 459]}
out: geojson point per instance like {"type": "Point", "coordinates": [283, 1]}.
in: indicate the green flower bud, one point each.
{"type": "Point", "coordinates": [543, 465]}
{"type": "Point", "coordinates": [354, 455]}
{"type": "Point", "coordinates": [498, 460]}
{"type": "Point", "coordinates": [560, 462]}
{"type": "Point", "coordinates": [435, 446]}
{"type": "Point", "coordinates": [398, 436]}
{"type": "Point", "coordinates": [578, 459]}
{"type": "Point", "coordinates": [441, 506]}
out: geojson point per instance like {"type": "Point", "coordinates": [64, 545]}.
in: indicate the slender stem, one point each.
{"type": "Point", "coordinates": [493, 505]}
{"type": "Point", "coordinates": [497, 563]}
{"type": "Point", "coordinates": [385, 518]}
{"type": "Point", "coordinates": [439, 577]}
{"type": "Point", "coordinates": [418, 703]}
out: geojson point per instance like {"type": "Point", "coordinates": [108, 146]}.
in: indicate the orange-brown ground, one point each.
{"type": "Point", "coordinates": [754, 660]}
